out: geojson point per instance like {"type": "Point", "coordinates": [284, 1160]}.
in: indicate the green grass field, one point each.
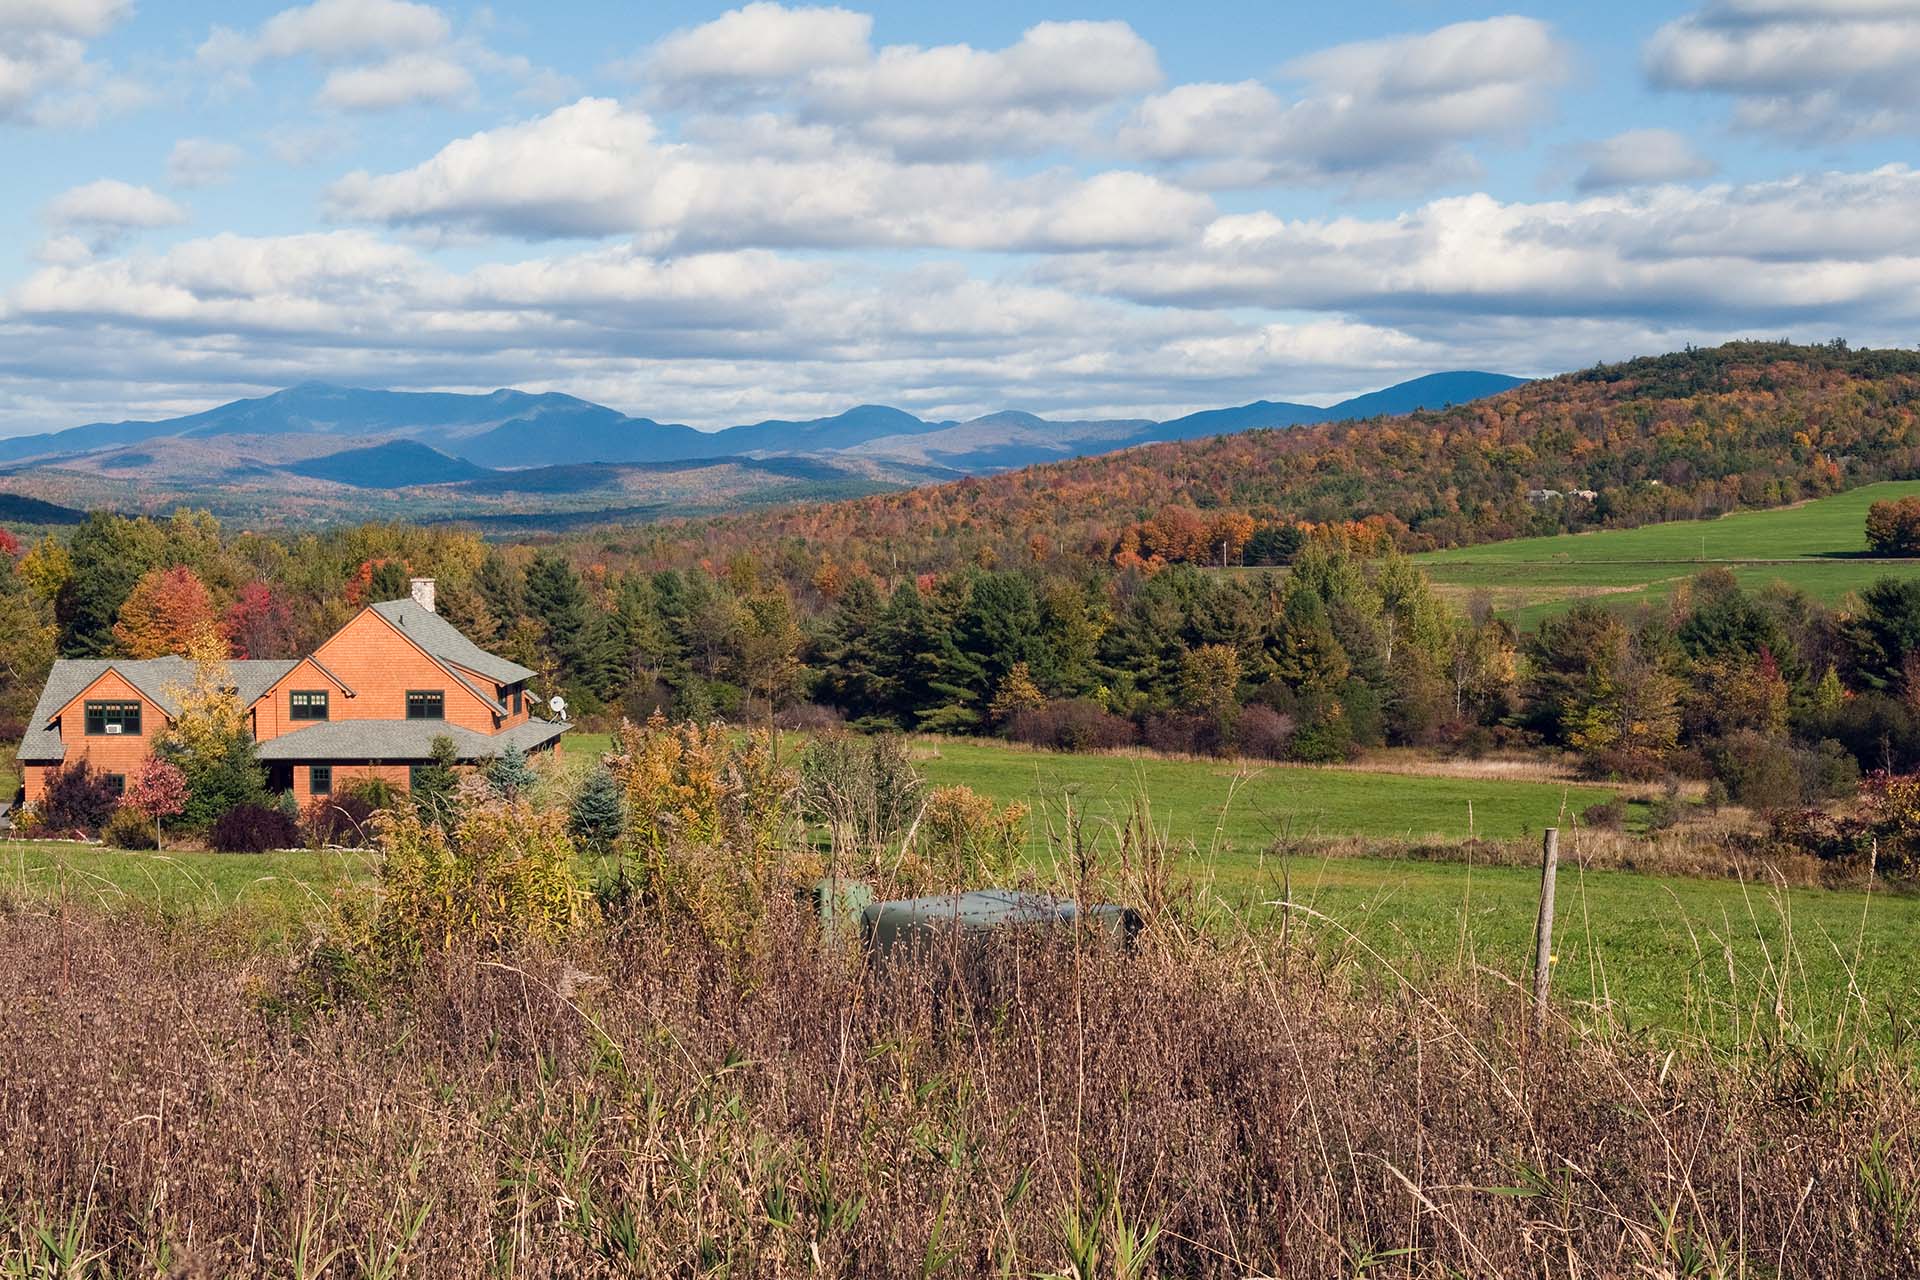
{"type": "Point", "coordinates": [278, 892]}
{"type": "Point", "coordinates": [1240, 810]}
{"type": "Point", "coordinates": [1237, 809]}
{"type": "Point", "coordinates": [1816, 546]}
{"type": "Point", "coordinates": [1679, 956]}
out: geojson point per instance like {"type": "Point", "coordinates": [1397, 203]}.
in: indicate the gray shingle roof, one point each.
{"type": "Point", "coordinates": [443, 640]}
{"type": "Point", "coordinates": [155, 678]}
{"type": "Point", "coordinates": [402, 740]}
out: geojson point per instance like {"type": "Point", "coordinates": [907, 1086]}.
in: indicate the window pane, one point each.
{"type": "Point", "coordinates": [113, 717]}
{"type": "Point", "coordinates": [426, 705]}
{"type": "Point", "coordinates": [320, 779]}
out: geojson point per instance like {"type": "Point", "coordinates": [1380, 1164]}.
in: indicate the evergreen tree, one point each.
{"type": "Point", "coordinates": [640, 636]}
{"type": "Point", "coordinates": [106, 558]}
{"type": "Point", "coordinates": [850, 661]}
{"type": "Point", "coordinates": [597, 816]}
{"type": "Point", "coordinates": [388, 581]}
{"type": "Point", "coordinates": [509, 774]}
{"type": "Point", "coordinates": [770, 650]}
{"type": "Point", "coordinates": [577, 635]}
{"type": "Point", "coordinates": [908, 637]}
{"type": "Point", "coordinates": [432, 784]}
{"type": "Point", "coordinates": [497, 582]}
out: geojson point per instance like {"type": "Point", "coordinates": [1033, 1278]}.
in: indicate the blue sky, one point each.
{"type": "Point", "coordinates": [714, 215]}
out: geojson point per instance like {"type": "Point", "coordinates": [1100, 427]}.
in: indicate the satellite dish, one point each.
{"type": "Point", "coordinates": [557, 705]}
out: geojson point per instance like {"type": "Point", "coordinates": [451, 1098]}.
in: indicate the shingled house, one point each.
{"type": "Point", "coordinates": [368, 702]}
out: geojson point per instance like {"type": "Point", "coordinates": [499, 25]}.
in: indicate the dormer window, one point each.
{"type": "Point", "coordinates": [307, 704]}
{"type": "Point", "coordinates": [113, 718]}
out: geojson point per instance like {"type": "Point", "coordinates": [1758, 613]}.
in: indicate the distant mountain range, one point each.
{"type": "Point", "coordinates": [321, 444]}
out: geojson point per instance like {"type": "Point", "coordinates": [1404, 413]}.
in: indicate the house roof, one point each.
{"type": "Point", "coordinates": [443, 640]}
{"type": "Point", "coordinates": [154, 678]}
{"type": "Point", "coordinates": [402, 740]}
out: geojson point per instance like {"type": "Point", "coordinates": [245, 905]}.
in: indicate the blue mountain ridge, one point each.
{"type": "Point", "coordinates": [443, 437]}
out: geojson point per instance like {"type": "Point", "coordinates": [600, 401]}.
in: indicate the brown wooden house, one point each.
{"type": "Point", "coordinates": [368, 702]}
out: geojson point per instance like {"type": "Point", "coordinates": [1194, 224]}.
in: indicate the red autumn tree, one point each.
{"type": "Point", "coordinates": [9, 545]}
{"type": "Point", "coordinates": [159, 792]}
{"type": "Point", "coordinates": [168, 611]}
{"type": "Point", "coordinates": [260, 624]}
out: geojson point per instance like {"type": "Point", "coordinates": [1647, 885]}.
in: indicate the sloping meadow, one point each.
{"type": "Point", "coordinates": [174, 1101]}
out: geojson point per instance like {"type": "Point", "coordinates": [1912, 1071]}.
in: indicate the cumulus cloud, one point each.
{"type": "Point", "coordinates": [398, 82]}
{"type": "Point", "coordinates": [332, 30]}
{"type": "Point", "coordinates": [947, 100]}
{"type": "Point", "coordinates": [379, 54]}
{"type": "Point", "coordinates": [202, 162]}
{"type": "Point", "coordinates": [758, 44]}
{"type": "Point", "coordinates": [709, 338]}
{"type": "Point", "coordinates": [1640, 157]}
{"type": "Point", "coordinates": [1810, 70]}
{"type": "Point", "coordinates": [43, 54]}
{"type": "Point", "coordinates": [597, 168]}
{"type": "Point", "coordinates": [110, 203]}
{"type": "Point", "coordinates": [1840, 247]}
{"type": "Point", "coordinates": [1375, 112]}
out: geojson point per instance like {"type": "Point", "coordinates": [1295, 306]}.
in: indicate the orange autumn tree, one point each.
{"type": "Point", "coordinates": [168, 611]}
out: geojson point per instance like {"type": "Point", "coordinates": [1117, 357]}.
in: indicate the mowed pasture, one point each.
{"type": "Point", "coordinates": [1819, 547]}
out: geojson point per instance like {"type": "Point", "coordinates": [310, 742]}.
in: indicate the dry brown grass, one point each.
{"type": "Point", "coordinates": [638, 1105]}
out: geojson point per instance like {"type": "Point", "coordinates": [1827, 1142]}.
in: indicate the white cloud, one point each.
{"type": "Point", "coordinates": [1841, 247]}
{"type": "Point", "coordinates": [596, 168]}
{"type": "Point", "coordinates": [1376, 112]}
{"type": "Point", "coordinates": [398, 82]}
{"type": "Point", "coordinates": [43, 56]}
{"type": "Point", "coordinates": [949, 100]}
{"type": "Point", "coordinates": [202, 162]}
{"type": "Point", "coordinates": [331, 30]}
{"type": "Point", "coordinates": [111, 204]}
{"type": "Point", "coordinates": [709, 338]}
{"type": "Point", "coordinates": [758, 43]}
{"type": "Point", "coordinates": [379, 54]}
{"type": "Point", "coordinates": [84, 18]}
{"type": "Point", "coordinates": [1640, 157]}
{"type": "Point", "coordinates": [1812, 70]}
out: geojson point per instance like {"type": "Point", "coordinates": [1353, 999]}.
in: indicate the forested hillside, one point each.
{"type": "Point", "coordinates": [1695, 433]}
{"type": "Point", "coordinates": [1043, 606]}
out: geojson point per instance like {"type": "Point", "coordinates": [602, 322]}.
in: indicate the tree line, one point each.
{"type": "Point", "coordinates": [1774, 695]}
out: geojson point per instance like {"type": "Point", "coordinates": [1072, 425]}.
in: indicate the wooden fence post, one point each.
{"type": "Point", "coordinates": [1543, 931]}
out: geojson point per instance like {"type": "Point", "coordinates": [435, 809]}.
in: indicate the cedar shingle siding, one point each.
{"type": "Point", "coordinates": [366, 669]}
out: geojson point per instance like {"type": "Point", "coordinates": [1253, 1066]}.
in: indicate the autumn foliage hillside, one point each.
{"type": "Point", "coordinates": [1690, 434]}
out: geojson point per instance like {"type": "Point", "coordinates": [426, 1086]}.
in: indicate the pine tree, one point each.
{"type": "Point", "coordinates": [498, 583]}
{"type": "Point", "coordinates": [432, 784]}
{"type": "Point", "coordinates": [578, 636]}
{"type": "Point", "coordinates": [849, 657]}
{"type": "Point", "coordinates": [106, 558]}
{"type": "Point", "coordinates": [597, 816]}
{"type": "Point", "coordinates": [510, 775]}
{"type": "Point", "coordinates": [388, 581]}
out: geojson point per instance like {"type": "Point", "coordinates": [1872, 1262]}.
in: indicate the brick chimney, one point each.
{"type": "Point", "coordinates": [423, 594]}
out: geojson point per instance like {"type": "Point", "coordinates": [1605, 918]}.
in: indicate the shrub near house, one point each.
{"type": "Point", "coordinates": [371, 702]}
